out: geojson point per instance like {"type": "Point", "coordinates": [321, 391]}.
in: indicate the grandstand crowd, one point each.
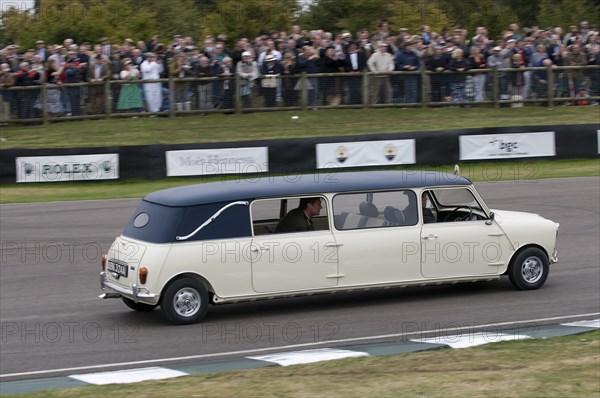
{"type": "Point", "coordinates": [261, 62]}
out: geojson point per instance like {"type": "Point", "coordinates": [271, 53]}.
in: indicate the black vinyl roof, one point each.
{"type": "Point", "coordinates": [301, 184]}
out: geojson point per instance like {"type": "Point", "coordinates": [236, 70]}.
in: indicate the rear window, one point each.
{"type": "Point", "coordinates": [161, 224]}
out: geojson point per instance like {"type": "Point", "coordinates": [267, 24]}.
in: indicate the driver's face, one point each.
{"type": "Point", "coordinates": [314, 208]}
{"type": "Point", "coordinates": [424, 199]}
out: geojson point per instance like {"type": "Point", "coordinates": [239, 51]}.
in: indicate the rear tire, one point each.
{"type": "Point", "coordinates": [184, 301]}
{"type": "Point", "coordinates": [529, 269]}
{"type": "Point", "coordinates": [141, 307]}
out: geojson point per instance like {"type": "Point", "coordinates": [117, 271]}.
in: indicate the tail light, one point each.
{"type": "Point", "coordinates": [143, 274]}
{"type": "Point", "coordinates": [103, 262]}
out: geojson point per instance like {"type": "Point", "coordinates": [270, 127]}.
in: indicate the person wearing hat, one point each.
{"type": "Point", "coordinates": [41, 49]}
{"type": "Point", "coordinates": [407, 60]}
{"type": "Point", "coordinates": [270, 70]}
{"type": "Point", "coordinates": [500, 59]}
{"type": "Point", "coordinates": [381, 63]}
{"type": "Point", "coordinates": [355, 62]}
{"type": "Point", "coordinates": [179, 69]}
{"type": "Point", "coordinates": [247, 69]}
{"type": "Point", "coordinates": [97, 74]}
{"type": "Point", "coordinates": [130, 96]}
{"type": "Point", "coordinates": [151, 69]}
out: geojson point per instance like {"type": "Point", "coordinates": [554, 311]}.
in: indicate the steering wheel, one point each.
{"type": "Point", "coordinates": [453, 212]}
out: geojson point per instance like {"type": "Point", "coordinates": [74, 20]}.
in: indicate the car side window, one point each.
{"type": "Point", "coordinates": [457, 204]}
{"type": "Point", "coordinates": [375, 210]}
{"type": "Point", "coordinates": [267, 214]}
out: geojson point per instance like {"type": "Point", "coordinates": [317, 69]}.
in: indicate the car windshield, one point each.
{"type": "Point", "coordinates": [455, 197]}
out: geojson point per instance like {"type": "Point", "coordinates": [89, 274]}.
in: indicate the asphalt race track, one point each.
{"type": "Point", "coordinates": [51, 318]}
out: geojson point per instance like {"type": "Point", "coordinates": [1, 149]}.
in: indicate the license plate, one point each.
{"type": "Point", "coordinates": [117, 268]}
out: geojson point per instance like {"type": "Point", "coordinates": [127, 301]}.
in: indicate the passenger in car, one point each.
{"type": "Point", "coordinates": [299, 219]}
{"type": "Point", "coordinates": [428, 216]}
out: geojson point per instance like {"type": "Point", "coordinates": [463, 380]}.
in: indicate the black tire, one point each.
{"type": "Point", "coordinates": [141, 307]}
{"type": "Point", "coordinates": [184, 301]}
{"type": "Point", "coordinates": [529, 269]}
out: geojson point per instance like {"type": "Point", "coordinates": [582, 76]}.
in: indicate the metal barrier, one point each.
{"type": "Point", "coordinates": [546, 86]}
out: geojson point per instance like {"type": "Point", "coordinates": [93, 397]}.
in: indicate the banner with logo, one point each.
{"type": "Point", "coordinates": [191, 162]}
{"type": "Point", "coordinates": [365, 153]}
{"type": "Point", "coordinates": [68, 168]}
{"type": "Point", "coordinates": [504, 146]}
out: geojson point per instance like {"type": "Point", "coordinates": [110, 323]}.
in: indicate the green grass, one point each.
{"type": "Point", "coordinates": [477, 172]}
{"type": "Point", "coordinates": [269, 125]}
{"type": "Point", "coordinates": [556, 367]}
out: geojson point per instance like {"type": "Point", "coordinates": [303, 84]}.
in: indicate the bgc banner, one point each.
{"type": "Point", "coordinates": [217, 161]}
{"type": "Point", "coordinates": [503, 146]}
{"type": "Point", "coordinates": [68, 168]}
{"type": "Point", "coordinates": [365, 153]}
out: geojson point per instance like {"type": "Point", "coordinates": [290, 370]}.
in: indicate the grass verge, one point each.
{"type": "Point", "coordinates": [556, 367]}
{"type": "Point", "coordinates": [269, 125]}
{"type": "Point", "coordinates": [477, 172]}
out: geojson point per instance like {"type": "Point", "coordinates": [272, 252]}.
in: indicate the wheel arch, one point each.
{"type": "Point", "coordinates": [522, 248]}
{"type": "Point", "coordinates": [193, 275]}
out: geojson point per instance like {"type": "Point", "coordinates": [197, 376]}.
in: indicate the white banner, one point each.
{"type": "Point", "coordinates": [598, 132]}
{"type": "Point", "coordinates": [365, 153]}
{"type": "Point", "coordinates": [191, 162]}
{"type": "Point", "coordinates": [503, 146]}
{"type": "Point", "coordinates": [68, 168]}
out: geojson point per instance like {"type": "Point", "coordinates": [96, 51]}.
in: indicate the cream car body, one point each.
{"type": "Point", "coordinates": [188, 247]}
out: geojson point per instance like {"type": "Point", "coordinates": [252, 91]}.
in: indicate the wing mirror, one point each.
{"type": "Point", "coordinates": [491, 219]}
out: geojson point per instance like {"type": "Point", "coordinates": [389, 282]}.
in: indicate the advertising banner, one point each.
{"type": "Point", "coordinates": [68, 168]}
{"type": "Point", "coordinates": [503, 146]}
{"type": "Point", "coordinates": [192, 162]}
{"type": "Point", "coordinates": [365, 153]}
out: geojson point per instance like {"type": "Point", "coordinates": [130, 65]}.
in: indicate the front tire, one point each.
{"type": "Point", "coordinates": [141, 307]}
{"type": "Point", "coordinates": [184, 301]}
{"type": "Point", "coordinates": [529, 269]}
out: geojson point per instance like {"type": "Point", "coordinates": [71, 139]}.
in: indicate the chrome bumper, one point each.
{"type": "Point", "coordinates": [135, 293]}
{"type": "Point", "coordinates": [554, 257]}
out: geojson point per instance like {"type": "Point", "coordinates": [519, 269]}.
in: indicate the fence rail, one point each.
{"type": "Point", "coordinates": [546, 86]}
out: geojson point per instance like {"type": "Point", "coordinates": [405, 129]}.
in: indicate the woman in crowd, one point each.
{"type": "Point", "coordinates": [288, 83]}
{"type": "Point", "coordinates": [54, 104]}
{"type": "Point", "coordinates": [130, 96]}
{"type": "Point", "coordinates": [459, 65]}
{"type": "Point", "coordinates": [478, 61]}
{"type": "Point", "coordinates": [181, 69]}
{"type": "Point", "coordinates": [247, 69]}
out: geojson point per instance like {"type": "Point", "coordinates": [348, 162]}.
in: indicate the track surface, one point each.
{"type": "Point", "coordinates": [51, 318]}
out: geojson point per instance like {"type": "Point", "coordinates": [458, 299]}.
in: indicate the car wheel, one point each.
{"type": "Point", "coordinates": [529, 269]}
{"type": "Point", "coordinates": [141, 307]}
{"type": "Point", "coordinates": [184, 301]}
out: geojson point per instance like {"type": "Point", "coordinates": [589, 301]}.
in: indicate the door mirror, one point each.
{"type": "Point", "coordinates": [491, 219]}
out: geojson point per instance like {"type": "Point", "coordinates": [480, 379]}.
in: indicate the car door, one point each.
{"type": "Point", "coordinates": [293, 261]}
{"type": "Point", "coordinates": [377, 234]}
{"type": "Point", "coordinates": [470, 247]}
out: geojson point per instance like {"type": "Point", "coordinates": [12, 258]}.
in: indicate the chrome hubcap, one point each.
{"type": "Point", "coordinates": [532, 269]}
{"type": "Point", "coordinates": [186, 302]}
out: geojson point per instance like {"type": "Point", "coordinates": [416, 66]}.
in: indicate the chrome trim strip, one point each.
{"type": "Point", "coordinates": [212, 218]}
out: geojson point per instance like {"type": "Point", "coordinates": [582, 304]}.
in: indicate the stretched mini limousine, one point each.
{"type": "Point", "coordinates": [188, 247]}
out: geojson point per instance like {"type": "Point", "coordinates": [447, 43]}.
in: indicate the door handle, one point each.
{"type": "Point", "coordinates": [334, 244]}
{"type": "Point", "coordinates": [430, 237]}
{"type": "Point", "coordinates": [256, 249]}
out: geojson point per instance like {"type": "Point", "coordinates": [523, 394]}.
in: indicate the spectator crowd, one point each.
{"type": "Point", "coordinates": [269, 67]}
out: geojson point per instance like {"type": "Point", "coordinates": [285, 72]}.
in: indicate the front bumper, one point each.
{"type": "Point", "coordinates": [554, 257]}
{"type": "Point", "coordinates": [135, 293]}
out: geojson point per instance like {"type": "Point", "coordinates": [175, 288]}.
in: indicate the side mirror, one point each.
{"type": "Point", "coordinates": [491, 219]}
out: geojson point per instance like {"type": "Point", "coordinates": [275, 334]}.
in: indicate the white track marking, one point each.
{"type": "Point", "coordinates": [308, 356]}
{"type": "Point", "coordinates": [128, 375]}
{"type": "Point", "coordinates": [292, 346]}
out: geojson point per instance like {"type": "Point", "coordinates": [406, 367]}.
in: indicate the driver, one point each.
{"type": "Point", "coordinates": [428, 216]}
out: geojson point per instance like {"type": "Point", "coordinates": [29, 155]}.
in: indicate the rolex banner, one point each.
{"type": "Point", "coordinates": [365, 153]}
{"type": "Point", "coordinates": [68, 168]}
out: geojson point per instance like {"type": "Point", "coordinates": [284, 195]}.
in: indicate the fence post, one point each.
{"type": "Point", "coordinates": [171, 96]}
{"type": "Point", "coordinates": [495, 88]}
{"type": "Point", "coordinates": [44, 101]}
{"type": "Point", "coordinates": [238, 94]}
{"type": "Point", "coordinates": [365, 88]}
{"type": "Point", "coordinates": [303, 85]}
{"type": "Point", "coordinates": [424, 97]}
{"type": "Point", "coordinates": [550, 88]}
{"type": "Point", "coordinates": [108, 98]}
